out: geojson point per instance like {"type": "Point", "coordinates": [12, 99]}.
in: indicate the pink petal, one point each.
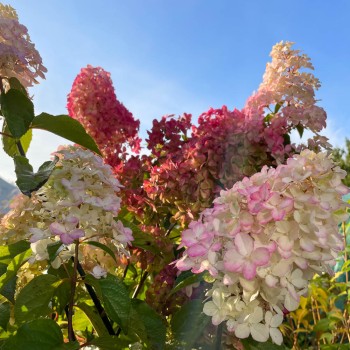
{"type": "Point", "coordinates": [260, 256]}
{"type": "Point", "coordinates": [57, 228]}
{"type": "Point", "coordinates": [66, 238]}
{"type": "Point", "coordinates": [244, 244]}
{"type": "Point", "coordinates": [77, 233]}
{"type": "Point", "coordinates": [197, 250]}
{"type": "Point", "coordinates": [249, 270]}
{"type": "Point", "coordinates": [233, 261]}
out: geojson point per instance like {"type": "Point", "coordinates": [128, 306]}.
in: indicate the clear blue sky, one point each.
{"type": "Point", "coordinates": [183, 56]}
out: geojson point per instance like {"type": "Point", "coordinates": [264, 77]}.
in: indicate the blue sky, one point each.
{"type": "Point", "coordinates": [169, 57]}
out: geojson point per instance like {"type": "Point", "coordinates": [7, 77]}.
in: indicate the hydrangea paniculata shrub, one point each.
{"type": "Point", "coordinates": [18, 56]}
{"type": "Point", "coordinates": [263, 241]}
{"type": "Point", "coordinates": [78, 203]}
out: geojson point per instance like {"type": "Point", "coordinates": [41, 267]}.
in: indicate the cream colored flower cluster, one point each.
{"type": "Point", "coordinates": [18, 56]}
{"type": "Point", "coordinates": [289, 85]}
{"type": "Point", "coordinates": [79, 202]}
{"type": "Point", "coordinates": [263, 241]}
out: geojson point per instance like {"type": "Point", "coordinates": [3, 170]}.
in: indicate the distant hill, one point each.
{"type": "Point", "coordinates": [7, 191]}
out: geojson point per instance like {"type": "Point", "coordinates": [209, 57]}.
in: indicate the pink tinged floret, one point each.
{"type": "Point", "coordinates": [244, 258]}
{"type": "Point", "coordinates": [285, 247]}
{"type": "Point", "coordinates": [67, 235]}
{"type": "Point", "coordinates": [197, 250]}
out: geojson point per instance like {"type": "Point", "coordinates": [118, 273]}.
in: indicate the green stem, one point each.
{"type": "Point", "coordinates": [140, 285]}
{"type": "Point", "coordinates": [218, 341]}
{"type": "Point", "coordinates": [71, 335]}
{"type": "Point", "coordinates": [7, 135]}
{"type": "Point", "coordinates": [20, 148]}
{"type": "Point", "coordinates": [96, 301]}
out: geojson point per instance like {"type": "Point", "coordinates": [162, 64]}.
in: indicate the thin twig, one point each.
{"type": "Point", "coordinates": [140, 285]}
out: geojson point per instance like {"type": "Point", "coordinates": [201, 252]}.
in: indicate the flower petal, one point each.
{"type": "Point", "coordinates": [260, 332]}
{"type": "Point", "coordinates": [242, 331]}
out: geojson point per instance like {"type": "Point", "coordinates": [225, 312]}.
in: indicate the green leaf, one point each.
{"type": "Point", "coordinates": [8, 252]}
{"type": "Point", "coordinates": [27, 180]}
{"type": "Point", "coordinates": [9, 143]}
{"type": "Point", "coordinates": [61, 295]}
{"type": "Point", "coordinates": [94, 317]}
{"type": "Point", "coordinates": [13, 267]}
{"type": "Point", "coordinates": [33, 300]}
{"type": "Point", "coordinates": [268, 117]}
{"type": "Point", "coordinates": [9, 289]}
{"type": "Point", "coordinates": [109, 343]}
{"type": "Point", "coordinates": [18, 111]}
{"type": "Point", "coordinates": [155, 330]}
{"type": "Point", "coordinates": [277, 107]}
{"type": "Point", "coordinates": [286, 139]}
{"type": "Point", "coordinates": [322, 325]}
{"type": "Point", "coordinates": [103, 247]}
{"type": "Point", "coordinates": [5, 312]}
{"type": "Point", "coordinates": [251, 344]}
{"type": "Point", "coordinates": [69, 346]}
{"type": "Point", "coordinates": [300, 129]}
{"type": "Point", "coordinates": [54, 249]}
{"type": "Point", "coordinates": [189, 322]}
{"type": "Point", "coordinates": [187, 278]}
{"type": "Point", "coordinates": [116, 300]}
{"type": "Point", "coordinates": [40, 334]}
{"type": "Point", "coordinates": [15, 84]}
{"type": "Point", "coordinates": [66, 127]}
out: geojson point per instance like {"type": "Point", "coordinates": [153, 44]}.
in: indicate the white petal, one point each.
{"type": "Point", "coordinates": [276, 320]}
{"type": "Point", "coordinates": [276, 336]}
{"type": "Point", "coordinates": [242, 331]}
{"type": "Point", "coordinates": [210, 308]}
{"type": "Point", "coordinates": [257, 315]}
{"type": "Point", "coordinates": [260, 332]}
{"type": "Point", "coordinates": [290, 303]}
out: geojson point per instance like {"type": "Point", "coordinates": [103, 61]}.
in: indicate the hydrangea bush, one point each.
{"type": "Point", "coordinates": [206, 240]}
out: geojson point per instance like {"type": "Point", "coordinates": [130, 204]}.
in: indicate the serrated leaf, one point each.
{"type": "Point", "coordinates": [61, 295]}
{"type": "Point", "coordinates": [106, 249]}
{"type": "Point", "coordinates": [8, 252]}
{"type": "Point", "coordinates": [33, 300]}
{"type": "Point", "coordinates": [109, 343]}
{"type": "Point", "coordinates": [18, 111]}
{"type": "Point", "coordinates": [9, 143]}
{"type": "Point", "coordinates": [13, 267]}
{"type": "Point", "coordinates": [27, 180]}
{"type": "Point", "coordinates": [116, 300]}
{"type": "Point", "coordinates": [66, 127]}
{"type": "Point", "coordinates": [40, 334]}
{"type": "Point", "coordinates": [187, 278]}
{"type": "Point", "coordinates": [94, 318]}
{"type": "Point", "coordinates": [9, 289]}
{"type": "Point", "coordinates": [188, 323]}
{"type": "Point", "coordinates": [155, 330]}
{"type": "Point", "coordinates": [5, 312]}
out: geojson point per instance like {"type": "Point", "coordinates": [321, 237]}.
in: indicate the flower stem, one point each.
{"type": "Point", "coordinates": [71, 335]}
{"type": "Point", "coordinates": [96, 301]}
{"type": "Point", "coordinates": [219, 337]}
